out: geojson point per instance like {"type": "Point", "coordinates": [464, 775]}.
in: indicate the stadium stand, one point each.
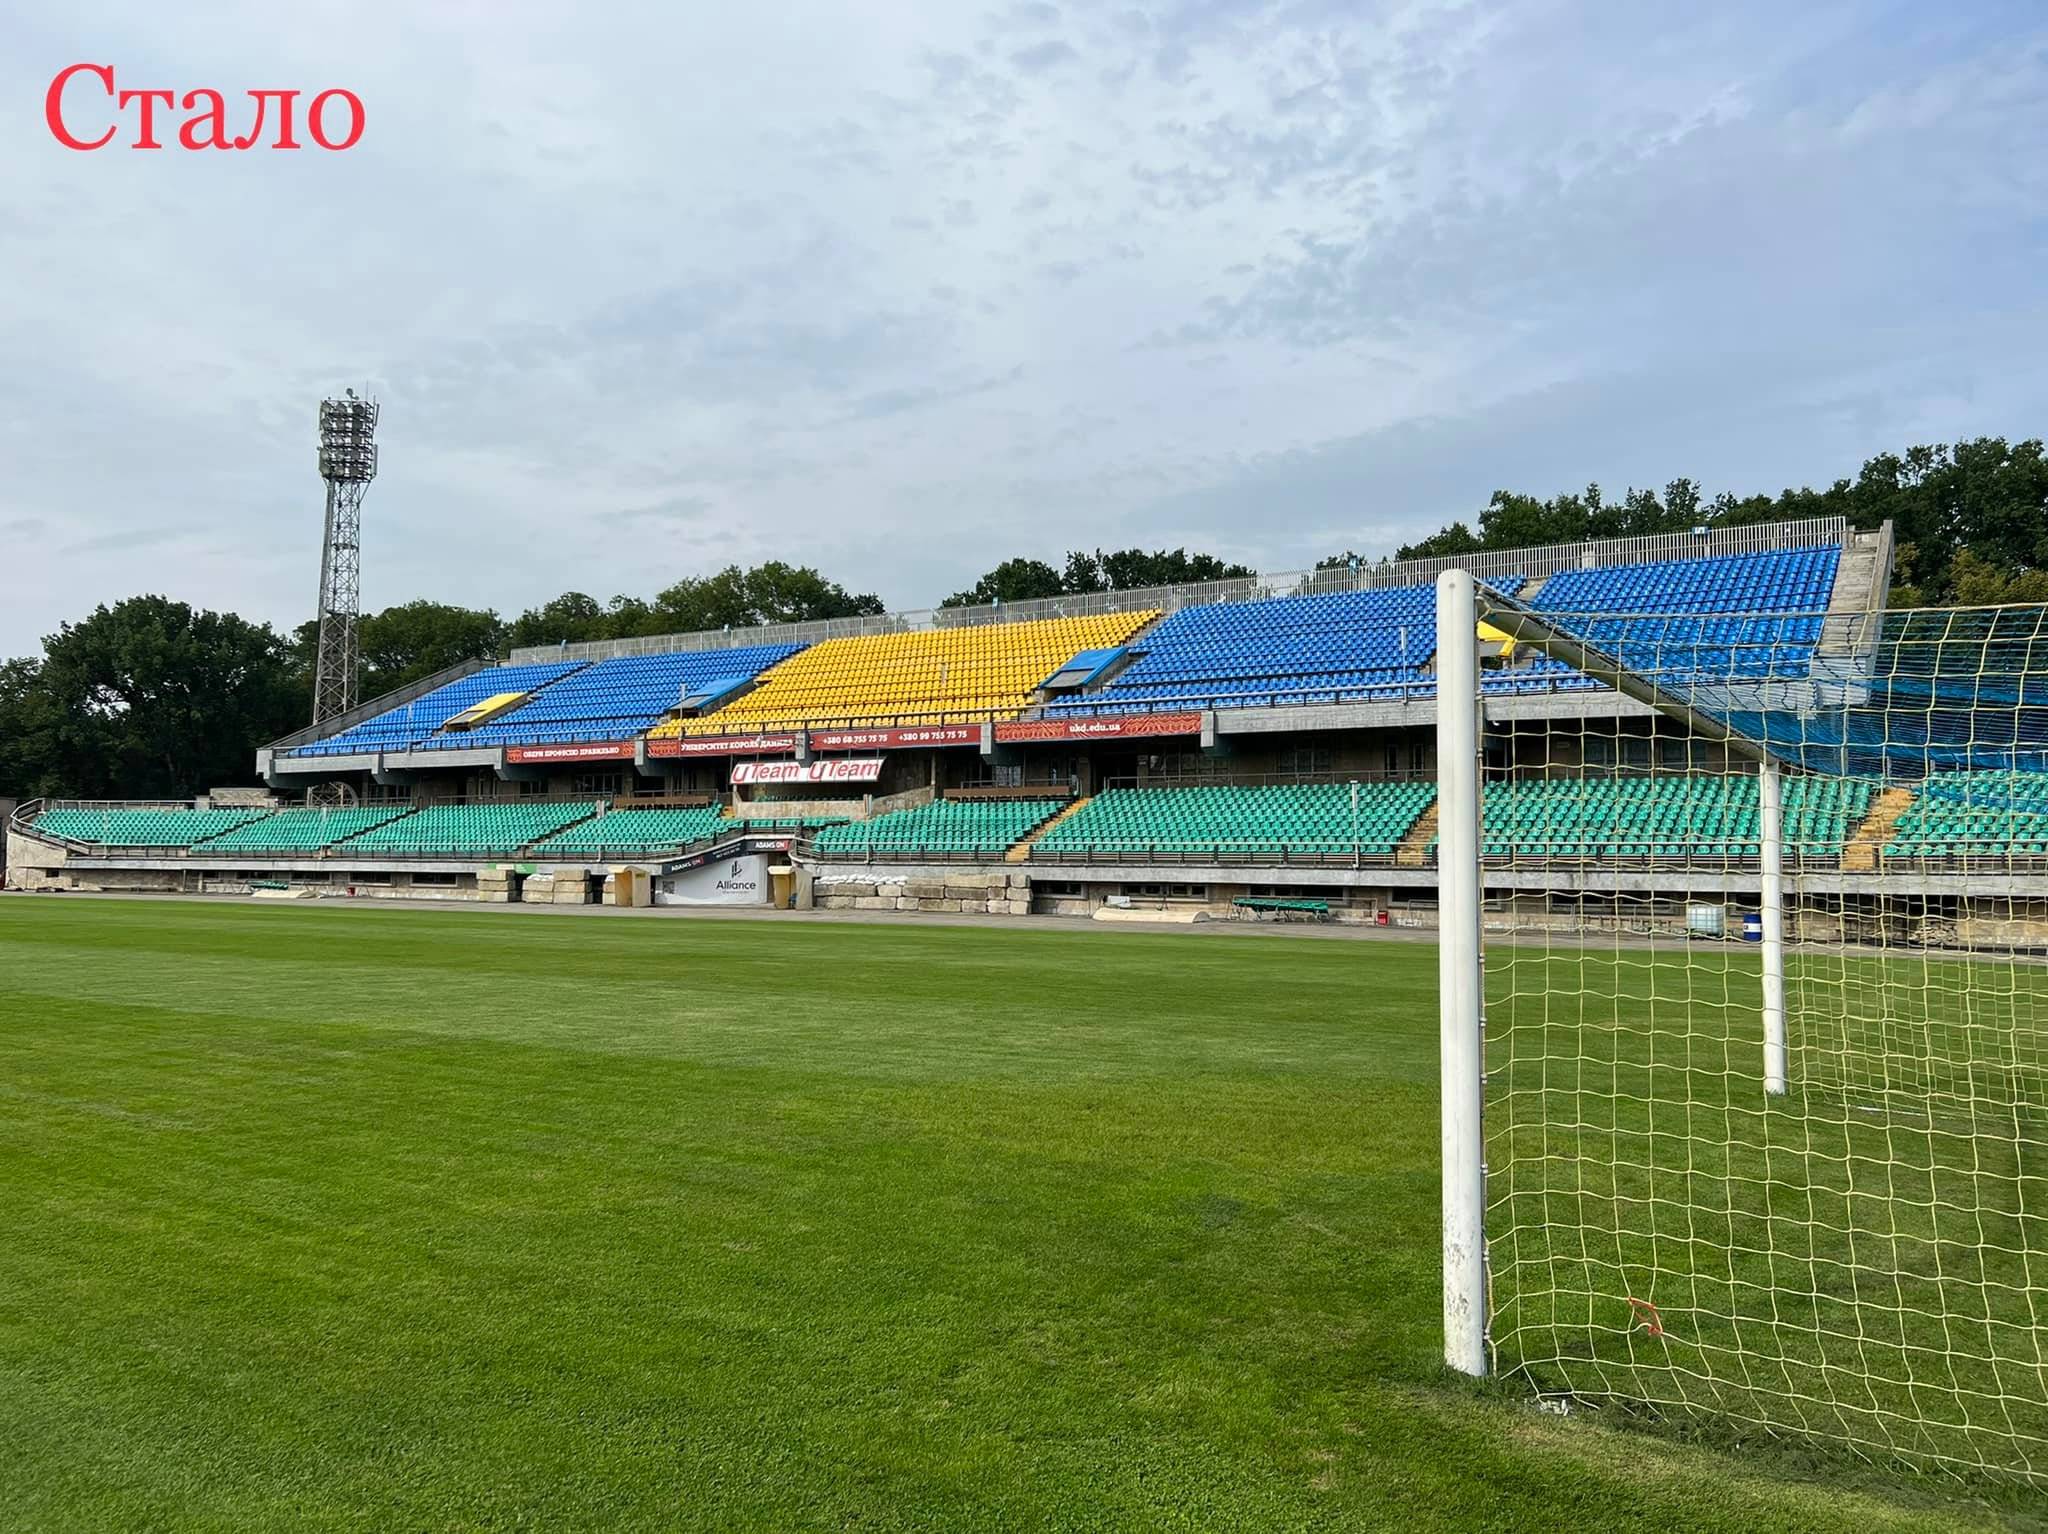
{"type": "Point", "coordinates": [479, 829]}
{"type": "Point", "coordinates": [614, 699]}
{"type": "Point", "coordinates": [1975, 815]}
{"type": "Point", "coordinates": [304, 830]}
{"type": "Point", "coordinates": [950, 827]}
{"type": "Point", "coordinates": [1704, 815]}
{"type": "Point", "coordinates": [929, 676]}
{"type": "Point", "coordinates": [1662, 616]}
{"type": "Point", "coordinates": [632, 831]}
{"type": "Point", "coordinates": [1303, 818]}
{"type": "Point", "coordinates": [143, 828]}
{"type": "Point", "coordinates": [404, 727]}
{"type": "Point", "coordinates": [1351, 646]}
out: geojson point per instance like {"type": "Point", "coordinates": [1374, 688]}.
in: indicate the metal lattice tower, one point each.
{"type": "Point", "coordinates": [348, 462]}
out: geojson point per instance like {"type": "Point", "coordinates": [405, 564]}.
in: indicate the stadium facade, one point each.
{"type": "Point", "coordinates": [1256, 749]}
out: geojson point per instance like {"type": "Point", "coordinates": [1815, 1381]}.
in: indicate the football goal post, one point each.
{"type": "Point", "coordinates": [1744, 1019]}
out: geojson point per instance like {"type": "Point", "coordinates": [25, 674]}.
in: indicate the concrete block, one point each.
{"type": "Point", "coordinates": [1019, 907]}
{"type": "Point", "coordinates": [874, 903]}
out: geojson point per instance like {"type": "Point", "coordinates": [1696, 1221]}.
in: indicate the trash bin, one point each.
{"type": "Point", "coordinates": [1752, 927]}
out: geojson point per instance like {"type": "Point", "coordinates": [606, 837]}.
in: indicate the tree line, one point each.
{"type": "Point", "coordinates": [150, 697]}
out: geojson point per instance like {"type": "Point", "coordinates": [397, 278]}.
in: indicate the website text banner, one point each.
{"type": "Point", "coordinates": [841, 769]}
{"type": "Point", "coordinates": [581, 751]}
{"type": "Point", "coordinates": [723, 745]}
{"type": "Point", "coordinates": [1111, 727]}
{"type": "Point", "coordinates": [896, 739]}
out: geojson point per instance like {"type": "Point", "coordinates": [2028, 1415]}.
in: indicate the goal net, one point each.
{"type": "Point", "coordinates": [1762, 933]}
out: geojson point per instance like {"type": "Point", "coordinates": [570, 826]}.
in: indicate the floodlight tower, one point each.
{"type": "Point", "coordinates": [348, 462]}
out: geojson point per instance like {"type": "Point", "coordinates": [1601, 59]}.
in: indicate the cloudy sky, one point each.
{"type": "Point", "coordinates": [900, 290]}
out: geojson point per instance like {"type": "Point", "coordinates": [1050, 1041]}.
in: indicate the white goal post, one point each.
{"type": "Point", "coordinates": [1744, 1019]}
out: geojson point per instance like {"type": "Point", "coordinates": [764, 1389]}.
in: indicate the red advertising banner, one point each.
{"type": "Point", "coordinates": [908, 735]}
{"type": "Point", "coordinates": [582, 751]}
{"type": "Point", "coordinates": [844, 769]}
{"type": "Point", "coordinates": [723, 745]}
{"type": "Point", "coordinates": [1105, 727]}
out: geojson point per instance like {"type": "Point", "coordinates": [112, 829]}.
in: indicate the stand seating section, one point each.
{"type": "Point", "coordinates": [303, 830]}
{"type": "Point", "coordinates": [639, 830]}
{"type": "Point", "coordinates": [1701, 617]}
{"type": "Point", "coordinates": [1975, 815]}
{"type": "Point", "coordinates": [473, 829]}
{"type": "Point", "coordinates": [407, 725]}
{"type": "Point", "coordinates": [143, 828]}
{"type": "Point", "coordinates": [614, 699]}
{"type": "Point", "coordinates": [1349, 646]}
{"type": "Point", "coordinates": [1689, 816]}
{"type": "Point", "coordinates": [1304, 818]}
{"type": "Point", "coordinates": [931, 676]}
{"type": "Point", "coordinates": [949, 826]}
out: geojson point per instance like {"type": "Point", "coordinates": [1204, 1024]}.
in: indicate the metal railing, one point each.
{"type": "Point", "coordinates": [382, 704]}
{"type": "Point", "coordinates": [1763, 537]}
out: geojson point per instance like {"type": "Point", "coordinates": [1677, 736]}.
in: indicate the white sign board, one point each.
{"type": "Point", "coordinates": [722, 881]}
{"type": "Point", "coordinates": [848, 769]}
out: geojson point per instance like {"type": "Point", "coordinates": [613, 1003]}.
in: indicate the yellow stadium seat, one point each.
{"type": "Point", "coordinates": [931, 676]}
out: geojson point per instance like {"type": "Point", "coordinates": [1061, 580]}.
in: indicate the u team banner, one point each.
{"type": "Point", "coordinates": [1106, 727]}
{"type": "Point", "coordinates": [844, 769]}
{"type": "Point", "coordinates": [582, 751]}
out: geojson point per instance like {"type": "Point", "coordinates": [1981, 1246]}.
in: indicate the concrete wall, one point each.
{"type": "Point", "coordinates": [981, 893]}
{"type": "Point", "coordinates": [1352, 906]}
{"type": "Point", "coordinates": [32, 864]}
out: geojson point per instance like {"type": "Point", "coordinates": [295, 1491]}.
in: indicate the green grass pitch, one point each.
{"type": "Point", "coordinates": [325, 1218]}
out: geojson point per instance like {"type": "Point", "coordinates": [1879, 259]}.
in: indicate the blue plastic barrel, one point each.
{"type": "Point", "coordinates": [1753, 927]}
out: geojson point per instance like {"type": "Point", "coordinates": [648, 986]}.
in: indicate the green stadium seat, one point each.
{"type": "Point", "coordinates": [1296, 818]}
{"type": "Point", "coordinates": [632, 832]}
{"type": "Point", "coordinates": [144, 827]}
{"type": "Point", "coordinates": [473, 830]}
{"type": "Point", "coordinates": [303, 830]}
{"type": "Point", "coordinates": [951, 827]}
{"type": "Point", "coordinates": [1676, 816]}
{"type": "Point", "coordinates": [1992, 814]}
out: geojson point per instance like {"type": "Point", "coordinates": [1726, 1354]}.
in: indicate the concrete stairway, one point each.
{"type": "Point", "coordinates": [1022, 851]}
{"type": "Point", "coordinates": [1413, 850]}
{"type": "Point", "coordinates": [1859, 855]}
{"type": "Point", "coordinates": [1862, 582]}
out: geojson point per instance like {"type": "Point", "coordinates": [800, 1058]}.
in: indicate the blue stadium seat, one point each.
{"type": "Point", "coordinates": [1736, 616]}
{"type": "Point", "coordinates": [405, 726]}
{"type": "Point", "coordinates": [613, 699]}
{"type": "Point", "coordinates": [1350, 646]}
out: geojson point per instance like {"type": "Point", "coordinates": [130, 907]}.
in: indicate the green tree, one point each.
{"type": "Point", "coordinates": [569, 618]}
{"type": "Point", "coordinates": [1986, 497]}
{"type": "Point", "coordinates": [1014, 580]}
{"type": "Point", "coordinates": [153, 697]}
{"type": "Point", "coordinates": [31, 733]}
{"type": "Point", "coordinates": [1135, 569]}
{"type": "Point", "coordinates": [1451, 541]}
{"type": "Point", "coordinates": [402, 644]}
{"type": "Point", "coordinates": [774, 592]}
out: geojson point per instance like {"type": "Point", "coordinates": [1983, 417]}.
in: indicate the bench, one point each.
{"type": "Point", "coordinates": [1312, 910]}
